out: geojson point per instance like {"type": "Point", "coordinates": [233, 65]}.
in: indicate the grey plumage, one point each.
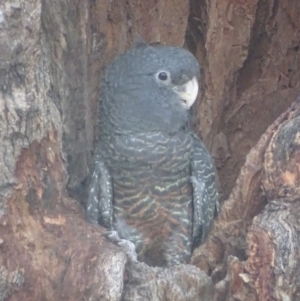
{"type": "Point", "coordinates": [153, 179]}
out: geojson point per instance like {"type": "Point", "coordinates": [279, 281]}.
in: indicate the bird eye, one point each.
{"type": "Point", "coordinates": [163, 75]}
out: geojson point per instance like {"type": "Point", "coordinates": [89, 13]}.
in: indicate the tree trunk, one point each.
{"type": "Point", "coordinates": [52, 55]}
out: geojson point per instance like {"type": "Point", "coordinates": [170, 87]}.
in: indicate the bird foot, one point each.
{"type": "Point", "coordinates": [127, 246]}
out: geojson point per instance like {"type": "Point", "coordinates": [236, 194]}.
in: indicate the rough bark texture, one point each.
{"type": "Point", "coordinates": [48, 251]}
{"type": "Point", "coordinates": [274, 237]}
{"type": "Point", "coordinates": [52, 55]}
{"type": "Point", "coordinates": [264, 248]}
{"type": "Point", "coordinates": [250, 56]}
{"type": "Point", "coordinates": [180, 283]}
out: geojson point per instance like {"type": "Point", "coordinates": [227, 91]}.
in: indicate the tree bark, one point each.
{"type": "Point", "coordinates": [249, 51]}
{"type": "Point", "coordinates": [52, 55]}
{"type": "Point", "coordinates": [252, 250]}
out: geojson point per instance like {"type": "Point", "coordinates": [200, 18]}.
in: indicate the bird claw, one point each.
{"type": "Point", "coordinates": [127, 246]}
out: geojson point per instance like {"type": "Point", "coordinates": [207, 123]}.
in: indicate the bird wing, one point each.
{"type": "Point", "coordinates": [99, 204]}
{"type": "Point", "coordinates": [205, 191]}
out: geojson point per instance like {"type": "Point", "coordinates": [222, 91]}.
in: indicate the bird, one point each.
{"type": "Point", "coordinates": [153, 180]}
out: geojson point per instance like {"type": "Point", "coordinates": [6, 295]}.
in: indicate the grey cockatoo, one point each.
{"type": "Point", "coordinates": [153, 181]}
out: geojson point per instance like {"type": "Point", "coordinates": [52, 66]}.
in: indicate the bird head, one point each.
{"type": "Point", "coordinates": [150, 88]}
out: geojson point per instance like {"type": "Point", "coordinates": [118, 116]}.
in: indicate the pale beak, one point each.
{"type": "Point", "coordinates": [188, 92]}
